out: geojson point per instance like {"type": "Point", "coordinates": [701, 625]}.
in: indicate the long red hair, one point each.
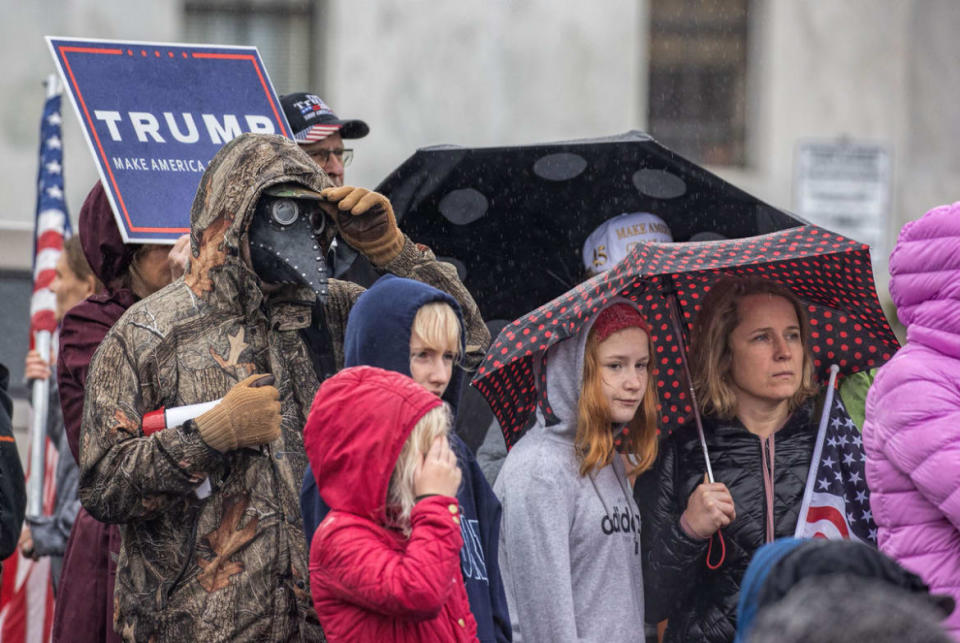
{"type": "Point", "coordinates": [594, 441]}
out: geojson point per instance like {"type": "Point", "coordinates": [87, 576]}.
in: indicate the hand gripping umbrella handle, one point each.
{"type": "Point", "coordinates": [674, 306]}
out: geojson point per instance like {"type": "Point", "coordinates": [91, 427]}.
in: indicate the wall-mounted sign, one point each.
{"type": "Point", "coordinates": [844, 186]}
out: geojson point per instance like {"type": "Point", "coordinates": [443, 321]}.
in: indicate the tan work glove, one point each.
{"type": "Point", "coordinates": [248, 415]}
{"type": "Point", "coordinates": [365, 221]}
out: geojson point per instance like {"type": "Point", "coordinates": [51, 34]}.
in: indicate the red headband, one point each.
{"type": "Point", "coordinates": [616, 318]}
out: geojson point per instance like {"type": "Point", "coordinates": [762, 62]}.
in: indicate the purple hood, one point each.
{"type": "Point", "coordinates": [925, 279]}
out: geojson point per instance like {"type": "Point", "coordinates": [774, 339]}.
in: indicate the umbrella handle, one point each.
{"type": "Point", "coordinates": [723, 552]}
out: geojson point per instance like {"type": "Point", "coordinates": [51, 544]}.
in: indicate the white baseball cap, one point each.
{"type": "Point", "coordinates": [614, 238]}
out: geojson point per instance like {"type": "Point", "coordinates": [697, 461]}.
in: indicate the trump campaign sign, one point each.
{"type": "Point", "coordinates": [155, 114]}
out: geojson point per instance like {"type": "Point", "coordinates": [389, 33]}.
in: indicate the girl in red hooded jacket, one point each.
{"type": "Point", "coordinates": [385, 561]}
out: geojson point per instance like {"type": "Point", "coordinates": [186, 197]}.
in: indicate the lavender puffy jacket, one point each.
{"type": "Point", "coordinates": [912, 429]}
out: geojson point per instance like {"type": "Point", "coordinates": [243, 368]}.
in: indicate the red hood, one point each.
{"type": "Point", "coordinates": [358, 423]}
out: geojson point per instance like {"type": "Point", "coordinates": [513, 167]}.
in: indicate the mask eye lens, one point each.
{"type": "Point", "coordinates": [284, 211]}
{"type": "Point", "coordinates": [319, 221]}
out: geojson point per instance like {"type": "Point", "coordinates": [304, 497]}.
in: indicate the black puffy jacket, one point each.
{"type": "Point", "coordinates": [700, 604]}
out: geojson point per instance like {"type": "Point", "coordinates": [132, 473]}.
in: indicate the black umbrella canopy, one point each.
{"type": "Point", "coordinates": [515, 218]}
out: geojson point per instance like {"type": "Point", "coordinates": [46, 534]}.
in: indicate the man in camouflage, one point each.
{"type": "Point", "coordinates": [231, 566]}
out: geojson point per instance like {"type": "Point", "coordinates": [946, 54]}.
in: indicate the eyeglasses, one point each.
{"type": "Point", "coordinates": [322, 156]}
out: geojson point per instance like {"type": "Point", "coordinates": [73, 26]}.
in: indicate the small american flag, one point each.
{"type": "Point", "coordinates": [839, 500]}
{"type": "Point", "coordinates": [26, 597]}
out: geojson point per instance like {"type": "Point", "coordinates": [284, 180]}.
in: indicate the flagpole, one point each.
{"type": "Point", "coordinates": [817, 452]}
{"type": "Point", "coordinates": [38, 432]}
{"type": "Point", "coordinates": [52, 83]}
{"type": "Point", "coordinates": [40, 396]}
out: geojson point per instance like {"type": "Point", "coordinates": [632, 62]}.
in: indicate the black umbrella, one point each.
{"type": "Point", "coordinates": [515, 218]}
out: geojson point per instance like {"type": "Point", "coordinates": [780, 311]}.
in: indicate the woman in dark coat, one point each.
{"type": "Point", "coordinates": [84, 606]}
{"type": "Point", "coordinates": [753, 375]}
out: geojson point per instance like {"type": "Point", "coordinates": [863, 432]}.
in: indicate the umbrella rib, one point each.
{"type": "Point", "coordinates": [566, 284]}
{"type": "Point", "coordinates": [671, 294]}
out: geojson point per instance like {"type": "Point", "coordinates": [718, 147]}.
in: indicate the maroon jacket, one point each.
{"type": "Point", "coordinates": [84, 606]}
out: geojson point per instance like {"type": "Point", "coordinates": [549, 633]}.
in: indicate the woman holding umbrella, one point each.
{"type": "Point", "coordinates": [753, 376]}
{"type": "Point", "coordinates": [569, 540]}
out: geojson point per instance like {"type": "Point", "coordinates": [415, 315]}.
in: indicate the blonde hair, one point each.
{"type": "Point", "coordinates": [710, 354]}
{"type": "Point", "coordinates": [594, 441]}
{"type": "Point", "coordinates": [437, 326]}
{"type": "Point", "coordinates": [400, 492]}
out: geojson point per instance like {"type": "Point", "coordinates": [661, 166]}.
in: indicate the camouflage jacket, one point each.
{"type": "Point", "coordinates": [232, 566]}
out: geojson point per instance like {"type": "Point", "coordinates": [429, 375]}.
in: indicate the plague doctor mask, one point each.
{"type": "Point", "coordinates": [288, 237]}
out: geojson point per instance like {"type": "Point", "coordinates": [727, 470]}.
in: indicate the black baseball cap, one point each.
{"type": "Point", "coordinates": [312, 120]}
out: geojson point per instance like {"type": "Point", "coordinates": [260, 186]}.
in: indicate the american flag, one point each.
{"type": "Point", "coordinates": [839, 500]}
{"type": "Point", "coordinates": [52, 224]}
{"type": "Point", "coordinates": [26, 588]}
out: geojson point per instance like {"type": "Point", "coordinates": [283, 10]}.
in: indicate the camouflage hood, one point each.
{"type": "Point", "coordinates": [227, 196]}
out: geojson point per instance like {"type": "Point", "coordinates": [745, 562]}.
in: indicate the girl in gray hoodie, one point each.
{"type": "Point", "coordinates": [570, 533]}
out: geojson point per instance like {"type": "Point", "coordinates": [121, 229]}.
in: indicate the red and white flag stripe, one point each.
{"type": "Point", "coordinates": [826, 519]}
{"type": "Point", "coordinates": [43, 303]}
{"type": "Point", "coordinates": [316, 133]}
{"type": "Point", "coordinates": [26, 593]}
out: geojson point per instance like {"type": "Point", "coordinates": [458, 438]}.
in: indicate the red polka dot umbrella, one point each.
{"type": "Point", "coordinates": [830, 273]}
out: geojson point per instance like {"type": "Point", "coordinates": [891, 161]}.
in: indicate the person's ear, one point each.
{"type": "Point", "coordinates": [90, 285]}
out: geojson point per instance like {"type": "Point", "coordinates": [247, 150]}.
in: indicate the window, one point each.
{"type": "Point", "coordinates": [282, 31]}
{"type": "Point", "coordinates": [697, 80]}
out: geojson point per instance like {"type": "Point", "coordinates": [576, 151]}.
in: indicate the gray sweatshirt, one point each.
{"type": "Point", "coordinates": [569, 545]}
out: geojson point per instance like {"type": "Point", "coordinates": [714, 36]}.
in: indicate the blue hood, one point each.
{"type": "Point", "coordinates": [757, 572]}
{"type": "Point", "coordinates": [378, 329]}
